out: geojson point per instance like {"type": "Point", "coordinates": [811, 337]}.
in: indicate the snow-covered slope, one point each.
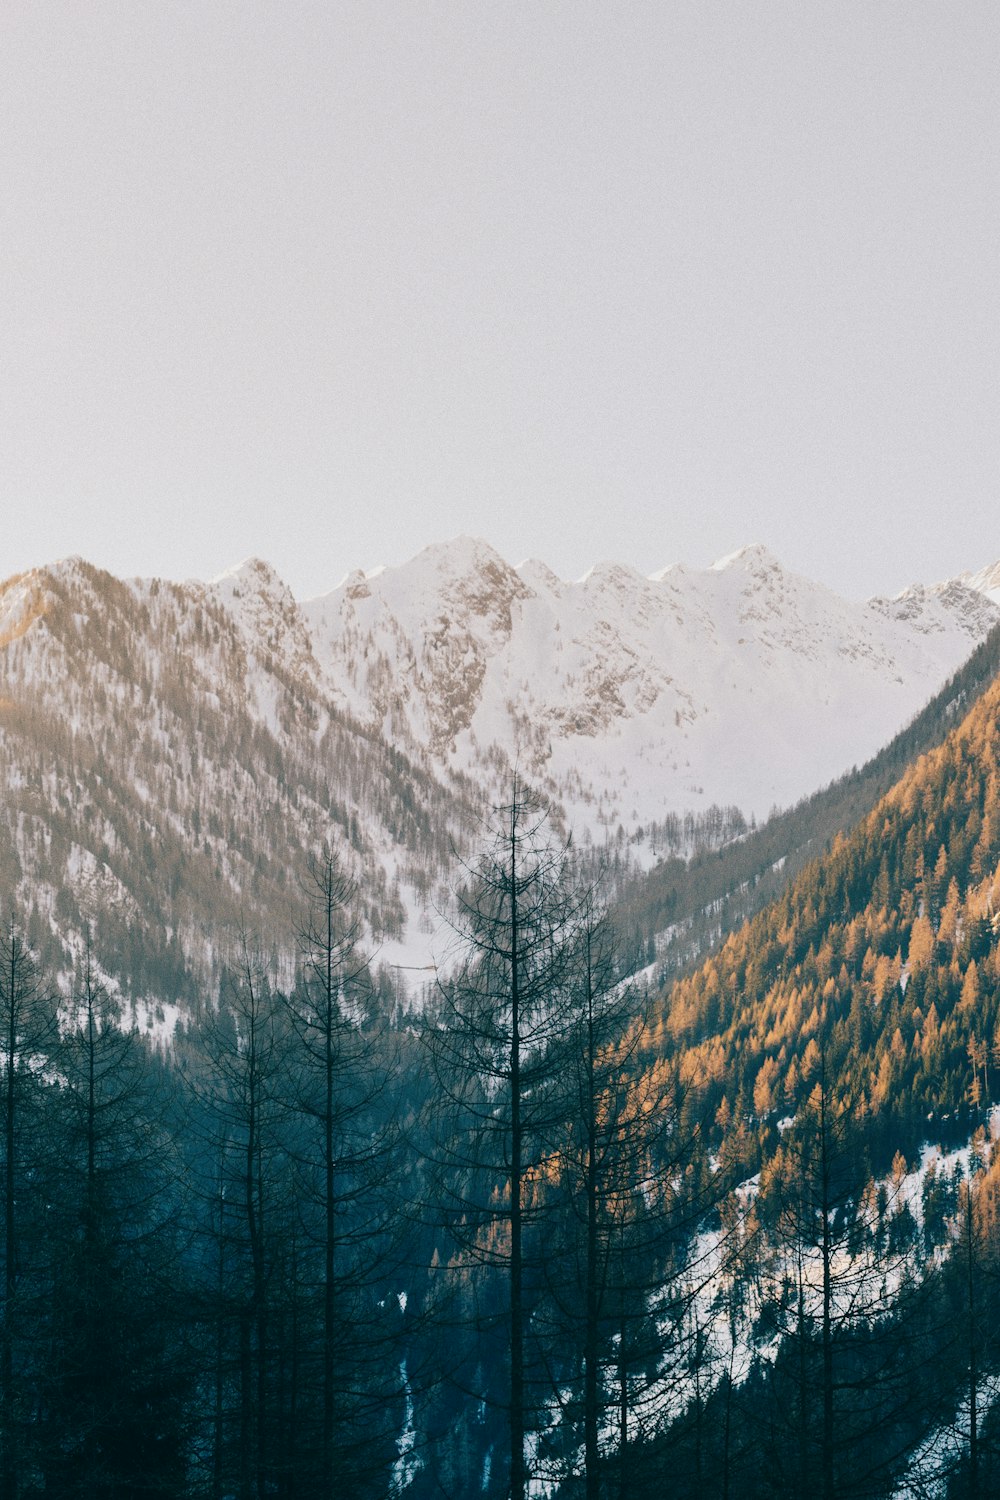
{"type": "Point", "coordinates": [631, 697]}
{"type": "Point", "coordinates": [171, 753]}
{"type": "Point", "coordinates": [169, 761]}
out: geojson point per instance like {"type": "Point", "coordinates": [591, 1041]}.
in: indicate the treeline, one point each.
{"type": "Point", "coordinates": [693, 833]}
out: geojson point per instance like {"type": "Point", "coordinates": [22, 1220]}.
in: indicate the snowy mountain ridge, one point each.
{"type": "Point", "coordinates": [472, 659]}
{"type": "Point", "coordinates": [172, 753]}
{"type": "Point", "coordinates": [466, 663]}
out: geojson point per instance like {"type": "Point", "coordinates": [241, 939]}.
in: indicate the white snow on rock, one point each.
{"type": "Point", "coordinates": [629, 697]}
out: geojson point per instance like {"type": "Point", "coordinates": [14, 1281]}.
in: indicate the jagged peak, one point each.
{"type": "Point", "coordinates": [948, 588]}
{"type": "Point", "coordinates": [611, 574]}
{"type": "Point", "coordinates": [984, 581]}
{"type": "Point", "coordinates": [254, 571]}
{"type": "Point", "coordinates": [255, 590]}
{"type": "Point", "coordinates": [754, 557]}
{"type": "Point", "coordinates": [460, 555]}
{"type": "Point", "coordinates": [436, 564]}
{"type": "Point", "coordinates": [674, 569]}
{"type": "Point", "coordinates": [540, 577]}
{"type": "Point", "coordinates": [72, 563]}
{"type": "Point", "coordinates": [29, 596]}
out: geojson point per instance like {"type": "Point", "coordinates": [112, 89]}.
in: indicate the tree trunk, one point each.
{"type": "Point", "coordinates": [827, 1251]}
{"type": "Point", "coordinates": [591, 1345]}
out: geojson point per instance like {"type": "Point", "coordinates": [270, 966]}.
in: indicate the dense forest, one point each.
{"type": "Point", "coordinates": [548, 1232]}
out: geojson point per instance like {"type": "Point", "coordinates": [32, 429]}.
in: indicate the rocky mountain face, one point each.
{"type": "Point", "coordinates": [631, 697]}
{"type": "Point", "coordinates": [171, 753]}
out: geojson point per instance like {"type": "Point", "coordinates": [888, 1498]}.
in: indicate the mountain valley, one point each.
{"type": "Point", "coordinates": [539, 1199]}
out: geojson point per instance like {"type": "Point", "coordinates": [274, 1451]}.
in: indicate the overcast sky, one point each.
{"type": "Point", "coordinates": [646, 281]}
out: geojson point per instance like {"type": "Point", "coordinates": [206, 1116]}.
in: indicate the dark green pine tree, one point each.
{"type": "Point", "coordinates": [492, 1039]}
{"type": "Point", "coordinates": [28, 1023]}
{"type": "Point", "coordinates": [112, 1388]}
{"type": "Point", "coordinates": [343, 1145]}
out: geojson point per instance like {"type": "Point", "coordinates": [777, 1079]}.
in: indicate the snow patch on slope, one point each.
{"type": "Point", "coordinates": [628, 697]}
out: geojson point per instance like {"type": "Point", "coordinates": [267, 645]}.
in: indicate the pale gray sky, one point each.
{"type": "Point", "coordinates": [327, 281]}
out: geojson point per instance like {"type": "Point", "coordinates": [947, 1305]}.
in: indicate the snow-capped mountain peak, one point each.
{"type": "Point", "coordinates": [986, 581]}
{"type": "Point", "coordinates": [470, 660]}
{"type": "Point", "coordinates": [754, 558]}
{"type": "Point", "coordinates": [539, 578]}
{"type": "Point", "coordinates": [234, 721]}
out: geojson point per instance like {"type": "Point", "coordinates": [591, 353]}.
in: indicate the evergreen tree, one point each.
{"type": "Point", "coordinates": [113, 1383]}
{"type": "Point", "coordinates": [344, 1147]}
{"type": "Point", "coordinates": [234, 1074]}
{"type": "Point", "coordinates": [28, 1024]}
{"type": "Point", "coordinates": [841, 1387]}
{"type": "Point", "coordinates": [627, 1199]}
{"type": "Point", "coordinates": [493, 1040]}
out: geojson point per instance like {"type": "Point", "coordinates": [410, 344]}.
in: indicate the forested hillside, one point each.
{"type": "Point", "coordinates": [834, 1042]}
{"type": "Point", "coordinates": [890, 938]}
{"type": "Point", "coordinates": [712, 874]}
{"type": "Point", "coordinates": [548, 1233]}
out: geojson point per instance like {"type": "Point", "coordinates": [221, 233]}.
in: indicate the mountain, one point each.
{"type": "Point", "coordinates": [170, 760]}
{"type": "Point", "coordinates": [986, 581]}
{"type": "Point", "coordinates": [172, 754]}
{"type": "Point", "coordinates": [626, 697]}
{"type": "Point", "coordinates": [713, 875]}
